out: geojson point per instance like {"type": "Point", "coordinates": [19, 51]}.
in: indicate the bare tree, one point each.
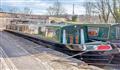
{"type": "Point", "coordinates": [56, 9]}
{"type": "Point", "coordinates": [114, 7]}
{"type": "Point", "coordinates": [103, 9]}
{"type": "Point", "coordinates": [27, 10]}
{"type": "Point", "coordinates": [88, 7]}
{"type": "Point", "coordinates": [51, 11]}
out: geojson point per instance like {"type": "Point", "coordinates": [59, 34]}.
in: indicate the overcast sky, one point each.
{"type": "Point", "coordinates": [40, 6]}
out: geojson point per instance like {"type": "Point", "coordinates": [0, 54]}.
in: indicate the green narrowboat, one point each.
{"type": "Point", "coordinates": [72, 34]}
{"type": "Point", "coordinates": [75, 38]}
{"type": "Point", "coordinates": [103, 32]}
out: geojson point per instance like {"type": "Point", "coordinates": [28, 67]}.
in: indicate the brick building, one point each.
{"type": "Point", "coordinates": [18, 18]}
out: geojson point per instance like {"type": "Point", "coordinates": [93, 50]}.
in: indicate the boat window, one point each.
{"type": "Point", "coordinates": [112, 33]}
{"type": "Point", "coordinates": [118, 32]}
{"type": "Point", "coordinates": [93, 31]}
{"type": "Point", "coordinates": [103, 32]}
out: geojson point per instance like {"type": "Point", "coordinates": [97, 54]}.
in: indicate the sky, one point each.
{"type": "Point", "coordinates": [39, 6]}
